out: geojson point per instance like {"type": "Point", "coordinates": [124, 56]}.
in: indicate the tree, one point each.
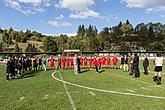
{"type": "Point", "coordinates": [16, 49]}
{"type": "Point", "coordinates": [1, 47]}
{"type": "Point", "coordinates": [50, 45]}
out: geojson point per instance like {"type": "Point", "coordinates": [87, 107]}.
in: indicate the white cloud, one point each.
{"type": "Point", "coordinates": [105, 0]}
{"type": "Point", "coordinates": [30, 1]}
{"type": "Point", "coordinates": [59, 17]}
{"type": "Point", "coordinates": [84, 14]}
{"type": "Point", "coordinates": [80, 9]}
{"type": "Point", "coordinates": [148, 5]}
{"type": "Point", "coordinates": [59, 22]}
{"type": "Point", "coordinates": [28, 6]}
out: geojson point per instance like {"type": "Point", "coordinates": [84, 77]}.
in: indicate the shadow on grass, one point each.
{"type": "Point", "coordinates": [84, 71]}
{"type": "Point", "coordinates": [101, 71]}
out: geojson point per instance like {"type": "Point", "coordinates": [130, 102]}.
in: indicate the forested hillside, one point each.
{"type": "Point", "coordinates": [122, 37]}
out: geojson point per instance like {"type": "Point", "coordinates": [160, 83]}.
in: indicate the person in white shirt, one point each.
{"type": "Point", "coordinates": [158, 69]}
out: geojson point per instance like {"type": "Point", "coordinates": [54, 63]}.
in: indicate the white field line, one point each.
{"type": "Point", "coordinates": [69, 96]}
{"type": "Point", "coordinates": [145, 88]}
{"type": "Point", "coordinates": [92, 93]}
{"type": "Point", "coordinates": [129, 90]}
{"type": "Point", "coordinates": [139, 81]}
{"type": "Point", "coordinates": [76, 92]}
{"type": "Point", "coordinates": [107, 91]}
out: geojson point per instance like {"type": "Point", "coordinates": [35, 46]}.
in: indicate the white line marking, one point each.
{"type": "Point", "coordinates": [139, 81]}
{"type": "Point", "coordinates": [92, 93]}
{"type": "Point", "coordinates": [145, 88]}
{"type": "Point", "coordinates": [69, 96]}
{"type": "Point", "coordinates": [46, 96]}
{"type": "Point", "coordinates": [21, 98]}
{"type": "Point", "coordinates": [108, 91]}
{"type": "Point", "coordinates": [130, 90]}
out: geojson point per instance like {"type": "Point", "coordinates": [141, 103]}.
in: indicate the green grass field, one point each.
{"type": "Point", "coordinates": [109, 90]}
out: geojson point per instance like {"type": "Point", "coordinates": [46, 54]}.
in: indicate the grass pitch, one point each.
{"type": "Point", "coordinates": [40, 91]}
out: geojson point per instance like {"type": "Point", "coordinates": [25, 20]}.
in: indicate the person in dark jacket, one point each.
{"type": "Point", "coordinates": [8, 69]}
{"type": "Point", "coordinates": [78, 64]}
{"type": "Point", "coordinates": [145, 65]}
{"type": "Point", "coordinates": [12, 67]}
{"type": "Point", "coordinates": [122, 63]}
{"type": "Point", "coordinates": [29, 64]}
{"type": "Point", "coordinates": [40, 64]}
{"type": "Point", "coordinates": [35, 65]}
{"type": "Point", "coordinates": [136, 66]}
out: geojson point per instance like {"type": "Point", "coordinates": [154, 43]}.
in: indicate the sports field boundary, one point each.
{"type": "Point", "coordinates": [106, 91]}
{"type": "Point", "coordinates": [67, 92]}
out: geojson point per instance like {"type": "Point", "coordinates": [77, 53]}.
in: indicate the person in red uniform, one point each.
{"type": "Point", "coordinates": [91, 62]}
{"type": "Point", "coordinates": [71, 62]}
{"type": "Point", "coordinates": [63, 63]}
{"type": "Point", "coordinates": [81, 62]}
{"type": "Point", "coordinates": [104, 61]}
{"type": "Point", "coordinates": [59, 62]}
{"type": "Point", "coordinates": [115, 61]}
{"type": "Point", "coordinates": [97, 64]}
{"type": "Point", "coordinates": [100, 61]}
{"type": "Point", "coordinates": [108, 61]}
{"type": "Point", "coordinates": [67, 62]}
{"type": "Point", "coordinates": [52, 60]}
{"type": "Point", "coordinates": [85, 62]}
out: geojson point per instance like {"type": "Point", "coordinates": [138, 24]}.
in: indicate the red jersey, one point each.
{"type": "Point", "coordinates": [91, 61]}
{"type": "Point", "coordinates": [104, 61]}
{"type": "Point", "coordinates": [71, 61]}
{"type": "Point", "coordinates": [81, 61]}
{"type": "Point", "coordinates": [85, 61]}
{"type": "Point", "coordinates": [100, 61]}
{"type": "Point", "coordinates": [96, 61]}
{"type": "Point", "coordinates": [59, 61]}
{"type": "Point", "coordinates": [115, 60]}
{"type": "Point", "coordinates": [63, 61]}
{"type": "Point", "coordinates": [67, 61]}
{"type": "Point", "coordinates": [108, 60]}
{"type": "Point", "coordinates": [52, 60]}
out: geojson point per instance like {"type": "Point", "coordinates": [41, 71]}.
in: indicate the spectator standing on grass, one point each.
{"type": "Point", "coordinates": [78, 64]}
{"type": "Point", "coordinates": [75, 64]}
{"type": "Point", "coordinates": [44, 63]}
{"type": "Point", "coordinates": [136, 66]}
{"type": "Point", "coordinates": [126, 69]}
{"type": "Point", "coordinates": [8, 69]}
{"type": "Point", "coordinates": [145, 65]}
{"type": "Point", "coordinates": [35, 64]}
{"type": "Point", "coordinates": [40, 63]}
{"type": "Point", "coordinates": [131, 64]}
{"type": "Point", "coordinates": [158, 69]}
{"type": "Point", "coordinates": [29, 63]}
{"type": "Point", "coordinates": [122, 63]}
